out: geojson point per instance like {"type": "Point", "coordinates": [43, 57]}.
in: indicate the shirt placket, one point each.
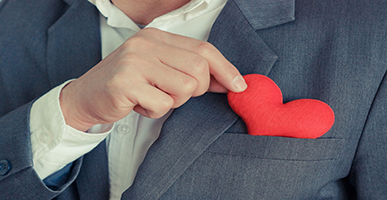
{"type": "Point", "coordinates": [121, 146]}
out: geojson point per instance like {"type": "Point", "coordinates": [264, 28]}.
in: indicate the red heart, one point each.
{"type": "Point", "coordinates": [262, 109]}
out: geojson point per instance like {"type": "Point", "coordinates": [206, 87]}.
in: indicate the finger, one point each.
{"type": "Point", "coordinates": [188, 63]}
{"type": "Point", "coordinates": [151, 102]}
{"type": "Point", "coordinates": [223, 71]}
{"type": "Point", "coordinates": [175, 83]}
{"type": "Point", "coordinates": [216, 87]}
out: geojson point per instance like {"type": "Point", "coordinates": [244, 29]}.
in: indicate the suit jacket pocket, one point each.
{"type": "Point", "coordinates": [277, 148]}
{"type": "Point", "coordinates": [241, 166]}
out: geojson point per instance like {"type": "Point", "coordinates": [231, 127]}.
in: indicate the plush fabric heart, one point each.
{"type": "Point", "coordinates": [262, 109]}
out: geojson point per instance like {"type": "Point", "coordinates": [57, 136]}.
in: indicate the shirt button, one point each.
{"type": "Point", "coordinates": [122, 128]}
{"type": "Point", "coordinates": [5, 167]}
{"type": "Point", "coordinates": [44, 138]}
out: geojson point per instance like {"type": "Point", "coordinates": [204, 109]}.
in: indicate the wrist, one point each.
{"type": "Point", "coordinates": [70, 110]}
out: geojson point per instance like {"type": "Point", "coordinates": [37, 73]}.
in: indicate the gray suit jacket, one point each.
{"type": "Point", "coordinates": [331, 50]}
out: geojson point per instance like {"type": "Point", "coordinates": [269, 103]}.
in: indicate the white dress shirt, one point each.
{"type": "Point", "coordinates": [55, 144]}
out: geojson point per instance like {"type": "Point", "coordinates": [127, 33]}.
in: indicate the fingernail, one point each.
{"type": "Point", "coordinates": [239, 84]}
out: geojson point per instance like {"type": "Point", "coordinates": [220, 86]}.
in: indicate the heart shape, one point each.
{"type": "Point", "coordinates": [262, 109]}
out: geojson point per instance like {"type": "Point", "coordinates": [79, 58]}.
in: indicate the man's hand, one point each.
{"type": "Point", "coordinates": [150, 73]}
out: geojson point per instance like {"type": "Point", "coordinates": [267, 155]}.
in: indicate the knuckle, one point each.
{"type": "Point", "coordinates": [114, 95]}
{"type": "Point", "coordinates": [188, 86]}
{"type": "Point", "coordinates": [200, 65]}
{"type": "Point", "coordinates": [162, 107]}
{"type": "Point", "coordinates": [155, 33]}
{"type": "Point", "coordinates": [205, 48]}
{"type": "Point", "coordinates": [165, 104]}
{"type": "Point", "coordinates": [132, 42]}
{"type": "Point", "coordinates": [202, 75]}
{"type": "Point", "coordinates": [138, 43]}
{"type": "Point", "coordinates": [200, 91]}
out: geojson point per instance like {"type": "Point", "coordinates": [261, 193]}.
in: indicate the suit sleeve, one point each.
{"type": "Point", "coordinates": [18, 179]}
{"type": "Point", "coordinates": [24, 76]}
{"type": "Point", "coordinates": [369, 172]}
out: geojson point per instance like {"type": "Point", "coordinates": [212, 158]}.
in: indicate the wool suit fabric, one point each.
{"type": "Point", "coordinates": [330, 50]}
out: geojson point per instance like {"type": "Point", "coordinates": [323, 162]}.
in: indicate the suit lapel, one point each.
{"type": "Point", "coordinates": [82, 44]}
{"type": "Point", "coordinates": [82, 19]}
{"type": "Point", "coordinates": [194, 126]}
{"type": "Point", "coordinates": [233, 35]}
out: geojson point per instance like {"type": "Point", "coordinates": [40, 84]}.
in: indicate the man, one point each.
{"type": "Point", "coordinates": [334, 51]}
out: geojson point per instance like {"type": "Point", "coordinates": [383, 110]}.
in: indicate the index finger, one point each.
{"type": "Point", "coordinates": [222, 70]}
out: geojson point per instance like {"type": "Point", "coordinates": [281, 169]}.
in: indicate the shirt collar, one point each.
{"type": "Point", "coordinates": [116, 18]}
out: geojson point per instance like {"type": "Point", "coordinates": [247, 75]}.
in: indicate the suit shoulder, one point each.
{"type": "Point", "coordinates": [361, 15]}
{"type": "Point", "coordinates": [29, 15]}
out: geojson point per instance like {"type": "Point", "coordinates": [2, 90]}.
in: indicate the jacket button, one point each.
{"type": "Point", "coordinates": [5, 167]}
